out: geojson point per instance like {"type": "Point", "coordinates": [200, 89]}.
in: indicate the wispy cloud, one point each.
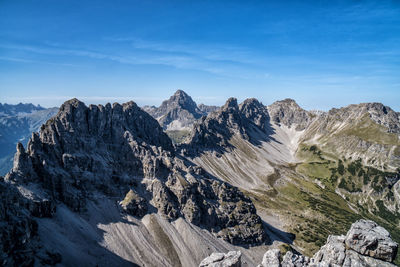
{"type": "Point", "coordinates": [22, 60]}
{"type": "Point", "coordinates": [221, 52]}
{"type": "Point", "coordinates": [177, 57]}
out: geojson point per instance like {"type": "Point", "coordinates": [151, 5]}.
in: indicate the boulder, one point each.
{"type": "Point", "coordinates": [294, 260]}
{"type": "Point", "coordinates": [134, 205]}
{"type": "Point", "coordinates": [230, 259]}
{"type": "Point", "coordinates": [369, 239]}
{"type": "Point", "coordinates": [353, 259]}
{"type": "Point", "coordinates": [332, 253]}
{"type": "Point", "coordinates": [271, 258]}
{"type": "Point", "coordinates": [365, 245]}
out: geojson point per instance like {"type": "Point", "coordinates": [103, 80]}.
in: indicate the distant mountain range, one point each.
{"type": "Point", "coordinates": [106, 185]}
{"type": "Point", "coordinates": [17, 122]}
{"type": "Point", "coordinates": [18, 109]}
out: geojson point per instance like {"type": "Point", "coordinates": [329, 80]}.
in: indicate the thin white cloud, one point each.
{"type": "Point", "coordinates": [181, 61]}
{"type": "Point", "coordinates": [22, 60]}
{"type": "Point", "coordinates": [220, 52]}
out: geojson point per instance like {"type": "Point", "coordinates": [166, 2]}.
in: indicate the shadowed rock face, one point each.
{"type": "Point", "coordinates": [18, 229]}
{"type": "Point", "coordinates": [121, 152]}
{"type": "Point", "coordinates": [215, 131]}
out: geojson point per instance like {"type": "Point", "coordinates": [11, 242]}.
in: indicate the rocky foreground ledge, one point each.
{"type": "Point", "coordinates": [365, 244]}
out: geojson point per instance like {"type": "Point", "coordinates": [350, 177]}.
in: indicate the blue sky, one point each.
{"type": "Point", "coordinates": [323, 54]}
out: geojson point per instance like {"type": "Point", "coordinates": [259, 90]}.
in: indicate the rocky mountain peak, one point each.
{"type": "Point", "coordinates": [382, 115]}
{"type": "Point", "coordinates": [251, 105]}
{"type": "Point", "coordinates": [179, 100]}
{"type": "Point", "coordinates": [256, 112]}
{"type": "Point", "coordinates": [286, 104]}
{"type": "Point", "coordinates": [182, 100]}
{"type": "Point", "coordinates": [377, 112]}
{"type": "Point", "coordinates": [217, 128]}
{"type": "Point", "coordinates": [178, 112]}
{"type": "Point", "coordinates": [290, 114]}
{"type": "Point", "coordinates": [230, 105]}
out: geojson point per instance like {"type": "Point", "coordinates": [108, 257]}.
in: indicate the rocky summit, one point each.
{"type": "Point", "coordinates": [188, 185]}
{"type": "Point", "coordinates": [179, 111]}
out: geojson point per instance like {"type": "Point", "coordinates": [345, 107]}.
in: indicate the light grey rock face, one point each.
{"type": "Point", "coordinates": [231, 259]}
{"type": "Point", "coordinates": [358, 131]}
{"type": "Point", "coordinates": [369, 239]}
{"type": "Point", "coordinates": [353, 259]}
{"type": "Point", "coordinates": [294, 260]}
{"type": "Point", "coordinates": [256, 112]}
{"type": "Point", "coordinates": [365, 245]}
{"type": "Point", "coordinates": [271, 258]}
{"type": "Point", "coordinates": [332, 253]}
{"type": "Point", "coordinates": [205, 109]}
{"type": "Point", "coordinates": [178, 112]}
{"type": "Point", "coordinates": [380, 114]}
{"type": "Point", "coordinates": [288, 113]}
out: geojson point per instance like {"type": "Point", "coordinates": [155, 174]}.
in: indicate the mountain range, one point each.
{"type": "Point", "coordinates": [17, 122]}
{"type": "Point", "coordinates": [123, 185]}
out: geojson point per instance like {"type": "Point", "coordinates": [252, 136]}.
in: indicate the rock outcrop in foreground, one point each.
{"type": "Point", "coordinates": [365, 245]}
{"type": "Point", "coordinates": [230, 259]}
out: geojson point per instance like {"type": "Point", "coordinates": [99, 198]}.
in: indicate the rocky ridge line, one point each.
{"type": "Point", "coordinates": [120, 151]}
{"type": "Point", "coordinates": [215, 131]}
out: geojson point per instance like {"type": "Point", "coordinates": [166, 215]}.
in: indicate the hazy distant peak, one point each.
{"type": "Point", "coordinates": [7, 109]}
{"type": "Point", "coordinates": [205, 109]}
